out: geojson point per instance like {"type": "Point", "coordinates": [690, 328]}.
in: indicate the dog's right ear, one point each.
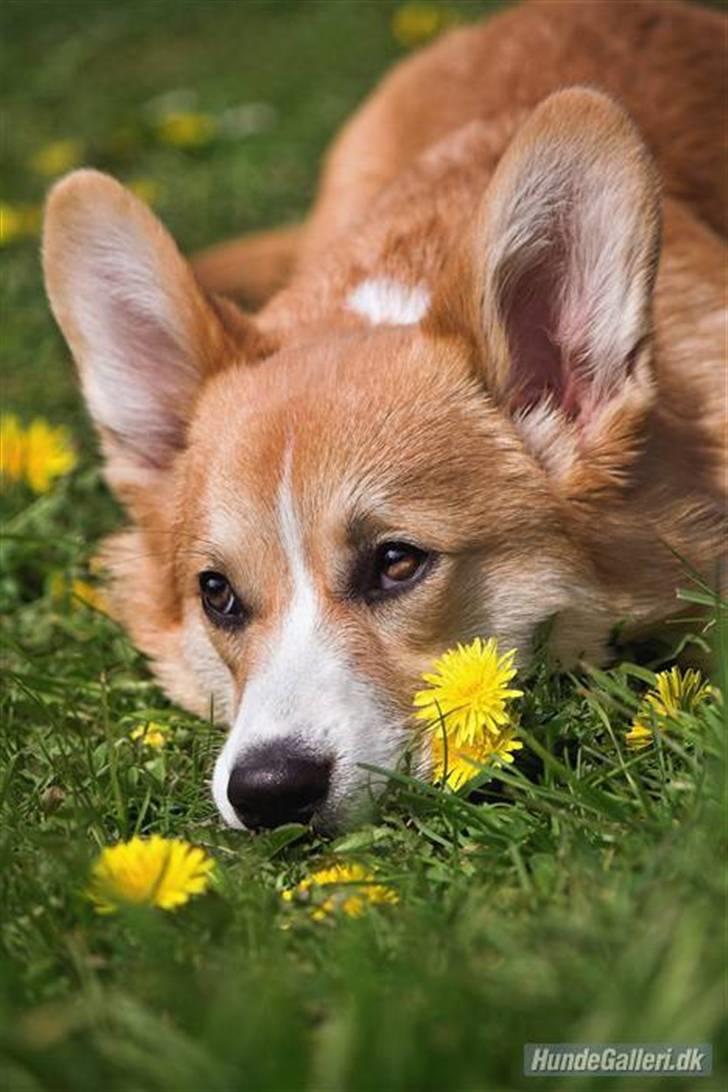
{"type": "Point", "coordinates": [142, 332]}
{"type": "Point", "coordinates": [554, 287]}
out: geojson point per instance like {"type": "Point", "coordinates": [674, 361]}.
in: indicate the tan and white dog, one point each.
{"type": "Point", "coordinates": [488, 391]}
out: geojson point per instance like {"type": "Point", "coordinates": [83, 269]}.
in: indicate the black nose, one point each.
{"type": "Point", "coordinates": [277, 784]}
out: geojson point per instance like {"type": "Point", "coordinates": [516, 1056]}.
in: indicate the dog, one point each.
{"type": "Point", "coordinates": [483, 392]}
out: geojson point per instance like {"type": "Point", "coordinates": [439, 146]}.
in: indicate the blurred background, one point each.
{"type": "Point", "coordinates": [216, 113]}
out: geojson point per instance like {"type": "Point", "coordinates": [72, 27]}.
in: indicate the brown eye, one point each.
{"type": "Point", "coordinates": [399, 564]}
{"type": "Point", "coordinates": [392, 568]}
{"type": "Point", "coordinates": [219, 601]}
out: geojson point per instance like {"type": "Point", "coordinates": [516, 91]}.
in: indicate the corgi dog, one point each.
{"type": "Point", "coordinates": [483, 392]}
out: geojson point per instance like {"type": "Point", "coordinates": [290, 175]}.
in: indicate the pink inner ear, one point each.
{"type": "Point", "coordinates": [139, 382]}
{"type": "Point", "coordinates": [156, 370]}
{"type": "Point", "coordinates": [542, 366]}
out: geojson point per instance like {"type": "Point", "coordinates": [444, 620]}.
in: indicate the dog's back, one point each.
{"type": "Point", "coordinates": [664, 61]}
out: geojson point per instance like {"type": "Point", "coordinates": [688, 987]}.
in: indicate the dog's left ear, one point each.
{"type": "Point", "coordinates": [144, 335]}
{"type": "Point", "coordinates": [561, 269]}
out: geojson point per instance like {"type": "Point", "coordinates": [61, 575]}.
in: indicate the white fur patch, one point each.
{"type": "Point", "coordinates": [385, 302]}
{"type": "Point", "coordinates": [308, 692]}
{"type": "Point", "coordinates": [214, 678]}
{"type": "Point", "coordinates": [521, 598]}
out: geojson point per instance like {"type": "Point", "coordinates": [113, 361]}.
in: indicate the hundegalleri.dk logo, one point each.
{"type": "Point", "coordinates": [606, 1059]}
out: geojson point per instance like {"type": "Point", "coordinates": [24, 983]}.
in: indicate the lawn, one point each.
{"type": "Point", "coordinates": [580, 898]}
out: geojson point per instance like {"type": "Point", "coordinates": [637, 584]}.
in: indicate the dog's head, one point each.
{"type": "Point", "coordinates": [316, 519]}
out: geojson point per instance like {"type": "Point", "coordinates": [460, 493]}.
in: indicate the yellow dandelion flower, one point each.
{"type": "Point", "coordinates": [455, 765]}
{"type": "Point", "coordinates": [468, 688]}
{"type": "Point", "coordinates": [638, 736]}
{"type": "Point", "coordinates": [12, 448]}
{"type": "Point", "coordinates": [10, 223]}
{"type": "Point", "coordinates": [675, 692]}
{"type": "Point", "coordinates": [89, 595]}
{"type": "Point", "coordinates": [58, 586]}
{"type": "Point", "coordinates": [678, 692]}
{"type": "Point", "coordinates": [186, 130]}
{"type": "Point", "coordinates": [416, 23]}
{"type": "Point", "coordinates": [146, 189]}
{"type": "Point", "coordinates": [37, 455]}
{"type": "Point", "coordinates": [349, 888]}
{"type": "Point", "coordinates": [18, 222]}
{"type": "Point", "coordinates": [151, 734]}
{"type": "Point", "coordinates": [156, 871]}
{"type": "Point", "coordinates": [57, 157]}
{"type": "Point", "coordinates": [76, 591]}
{"type": "Point", "coordinates": [49, 454]}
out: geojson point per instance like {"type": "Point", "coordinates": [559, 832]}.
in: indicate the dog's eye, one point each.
{"type": "Point", "coordinates": [394, 567]}
{"type": "Point", "coordinates": [398, 563]}
{"type": "Point", "coordinates": [220, 602]}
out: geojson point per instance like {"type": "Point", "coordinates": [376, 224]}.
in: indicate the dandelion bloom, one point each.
{"type": "Point", "coordinates": [455, 765]}
{"type": "Point", "coordinates": [49, 454]}
{"type": "Point", "coordinates": [416, 23]}
{"type": "Point", "coordinates": [37, 455]}
{"type": "Point", "coordinates": [638, 736]}
{"type": "Point", "coordinates": [675, 692]}
{"type": "Point", "coordinates": [89, 595]}
{"type": "Point", "coordinates": [349, 888]}
{"type": "Point", "coordinates": [18, 222]}
{"type": "Point", "coordinates": [154, 871]}
{"type": "Point", "coordinates": [57, 157]}
{"type": "Point", "coordinates": [151, 734]}
{"type": "Point", "coordinates": [12, 448]}
{"type": "Point", "coordinates": [468, 690]}
{"type": "Point", "coordinates": [146, 189]}
{"type": "Point", "coordinates": [72, 592]}
{"type": "Point", "coordinates": [186, 130]}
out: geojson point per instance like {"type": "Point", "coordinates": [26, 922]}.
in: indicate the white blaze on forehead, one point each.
{"type": "Point", "coordinates": [389, 303]}
{"type": "Point", "coordinates": [305, 689]}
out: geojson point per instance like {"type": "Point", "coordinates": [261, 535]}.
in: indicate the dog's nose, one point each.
{"type": "Point", "coordinates": [276, 785]}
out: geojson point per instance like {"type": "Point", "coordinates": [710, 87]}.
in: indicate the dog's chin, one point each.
{"type": "Point", "coordinates": [341, 814]}
{"type": "Point", "coordinates": [328, 822]}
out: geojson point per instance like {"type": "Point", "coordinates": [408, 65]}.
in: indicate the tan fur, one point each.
{"type": "Point", "coordinates": [252, 268]}
{"type": "Point", "coordinates": [460, 174]}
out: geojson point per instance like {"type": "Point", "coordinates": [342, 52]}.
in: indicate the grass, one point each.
{"type": "Point", "coordinates": [585, 901]}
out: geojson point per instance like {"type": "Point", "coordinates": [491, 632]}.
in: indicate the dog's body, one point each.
{"type": "Point", "coordinates": [478, 405]}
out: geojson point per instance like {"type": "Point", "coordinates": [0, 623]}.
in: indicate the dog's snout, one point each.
{"type": "Point", "coordinates": [277, 784]}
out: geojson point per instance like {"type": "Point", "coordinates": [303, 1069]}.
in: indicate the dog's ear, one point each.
{"type": "Point", "coordinates": [560, 271]}
{"type": "Point", "coordinates": [143, 334]}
